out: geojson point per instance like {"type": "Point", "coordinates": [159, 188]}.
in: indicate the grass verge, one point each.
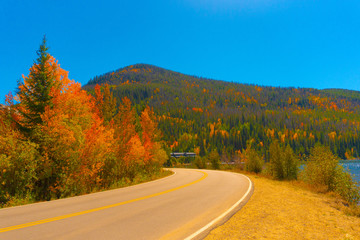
{"type": "Point", "coordinates": [141, 178]}
{"type": "Point", "coordinates": [286, 210]}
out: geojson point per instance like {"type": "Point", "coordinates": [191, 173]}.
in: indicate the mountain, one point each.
{"type": "Point", "coordinates": [201, 114]}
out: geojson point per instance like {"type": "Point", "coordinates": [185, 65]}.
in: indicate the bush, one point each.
{"type": "Point", "coordinates": [254, 163]}
{"type": "Point", "coordinates": [18, 165]}
{"type": "Point", "coordinates": [346, 187]}
{"type": "Point", "coordinates": [200, 162]}
{"type": "Point", "coordinates": [323, 169]}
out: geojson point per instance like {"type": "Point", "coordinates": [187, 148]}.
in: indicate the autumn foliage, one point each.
{"type": "Point", "coordinates": [57, 140]}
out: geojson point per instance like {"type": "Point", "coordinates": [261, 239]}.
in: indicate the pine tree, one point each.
{"type": "Point", "coordinates": [34, 93]}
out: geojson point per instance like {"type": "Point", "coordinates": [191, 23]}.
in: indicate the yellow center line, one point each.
{"type": "Point", "coordinates": [11, 228]}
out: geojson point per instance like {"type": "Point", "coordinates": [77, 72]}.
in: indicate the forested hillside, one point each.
{"type": "Point", "coordinates": [197, 114]}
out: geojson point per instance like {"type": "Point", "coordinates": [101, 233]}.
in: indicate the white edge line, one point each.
{"type": "Point", "coordinates": [210, 224]}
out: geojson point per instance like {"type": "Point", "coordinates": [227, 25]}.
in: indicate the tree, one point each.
{"type": "Point", "coordinates": [126, 140]}
{"type": "Point", "coordinates": [70, 142]}
{"type": "Point", "coordinates": [254, 163]}
{"type": "Point", "coordinates": [214, 159]}
{"type": "Point", "coordinates": [106, 102]}
{"type": "Point", "coordinates": [283, 162]}
{"type": "Point", "coordinates": [276, 163]}
{"type": "Point", "coordinates": [155, 155]}
{"type": "Point", "coordinates": [73, 141]}
{"type": "Point", "coordinates": [35, 92]}
{"type": "Point", "coordinates": [291, 164]}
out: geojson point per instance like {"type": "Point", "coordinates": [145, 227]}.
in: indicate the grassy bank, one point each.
{"type": "Point", "coordinates": [140, 178]}
{"type": "Point", "coordinates": [286, 210]}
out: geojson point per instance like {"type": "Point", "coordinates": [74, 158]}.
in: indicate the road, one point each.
{"type": "Point", "coordinates": [184, 205]}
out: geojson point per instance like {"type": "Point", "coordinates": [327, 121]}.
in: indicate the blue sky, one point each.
{"type": "Point", "coordinates": [300, 43]}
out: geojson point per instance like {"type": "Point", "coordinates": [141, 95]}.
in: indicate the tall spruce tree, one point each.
{"type": "Point", "coordinates": [34, 91]}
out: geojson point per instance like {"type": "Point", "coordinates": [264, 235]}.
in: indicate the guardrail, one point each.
{"type": "Point", "coordinates": [182, 154]}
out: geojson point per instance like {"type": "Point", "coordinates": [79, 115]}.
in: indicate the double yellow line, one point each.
{"type": "Point", "coordinates": [25, 225]}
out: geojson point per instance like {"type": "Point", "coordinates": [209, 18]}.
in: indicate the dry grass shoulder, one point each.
{"type": "Point", "coordinates": [285, 210]}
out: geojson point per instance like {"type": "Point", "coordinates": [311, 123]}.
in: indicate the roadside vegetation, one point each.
{"type": "Point", "coordinates": [57, 140]}
{"type": "Point", "coordinates": [312, 199]}
{"type": "Point", "coordinates": [309, 199]}
{"type": "Point", "coordinates": [320, 172]}
{"type": "Point", "coordinates": [289, 210]}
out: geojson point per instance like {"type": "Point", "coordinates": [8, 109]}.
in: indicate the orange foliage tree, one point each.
{"type": "Point", "coordinates": [155, 155]}
{"type": "Point", "coordinates": [75, 141]}
{"type": "Point", "coordinates": [59, 140]}
{"type": "Point", "coordinates": [106, 102]}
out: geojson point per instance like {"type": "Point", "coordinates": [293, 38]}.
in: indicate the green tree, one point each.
{"type": "Point", "coordinates": [214, 159]}
{"type": "Point", "coordinates": [276, 165]}
{"type": "Point", "coordinates": [34, 92]}
{"type": "Point", "coordinates": [254, 163]}
{"type": "Point", "coordinates": [283, 162]}
{"type": "Point", "coordinates": [291, 164]}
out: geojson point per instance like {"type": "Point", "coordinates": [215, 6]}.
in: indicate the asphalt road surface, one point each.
{"type": "Point", "coordinates": [186, 205]}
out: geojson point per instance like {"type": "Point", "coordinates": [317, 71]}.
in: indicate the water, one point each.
{"type": "Point", "coordinates": [353, 166]}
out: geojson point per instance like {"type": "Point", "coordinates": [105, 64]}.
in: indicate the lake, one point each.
{"type": "Point", "coordinates": [354, 167]}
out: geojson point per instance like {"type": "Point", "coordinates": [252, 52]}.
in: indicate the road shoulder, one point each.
{"type": "Point", "coordinates": [282, 210]}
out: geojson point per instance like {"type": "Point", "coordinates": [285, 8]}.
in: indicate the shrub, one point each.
{"type": "Point", "coordinates": [18, 165]}
{"type": "Point", "coordinates": [323, 169]}
{"type": "Point", "coordinates": [254, 163]}
{"type": "Point", "coordinates": [239, 160]}
{"type": "Point", "coordinates": [346, 187]}
{"type": "Point", "coordinates": [200, 162]}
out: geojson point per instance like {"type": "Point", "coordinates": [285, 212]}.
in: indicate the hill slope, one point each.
{"type": "Point", "coordinates": [202, 114]}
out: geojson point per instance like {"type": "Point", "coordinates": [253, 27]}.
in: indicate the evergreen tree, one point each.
{"type": "Point", "coordinates": [291, 164]}
{"type": "Point", "coordinates": [276, 161]}
{"type": "Point", "coordinates": [254, 162]}
{"type": "Point", "coordinates": [34, 92]}
{"type": "Point", "coordinates": [214, 159]}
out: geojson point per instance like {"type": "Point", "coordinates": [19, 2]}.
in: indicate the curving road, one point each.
{"type": "Point", "coordinates": [187, 204]}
